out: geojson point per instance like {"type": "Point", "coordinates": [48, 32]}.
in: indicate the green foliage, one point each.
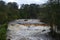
{"type": "Point", "coordinates": [3, 31]}
{"type": "Point", "coordinates": [29, 11]}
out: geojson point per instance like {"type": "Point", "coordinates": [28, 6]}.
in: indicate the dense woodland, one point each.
{"type": "Point", "coordinates": [48, 12]}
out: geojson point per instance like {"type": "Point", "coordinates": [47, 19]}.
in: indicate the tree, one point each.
{"type": "Point", "coordinates": [24, 11]}
{"type": "Point", "coordinates": [12, 10]}
{"type": "Point", "coordinates": [29, 11]}
{"type": "Point", "coordinates": [3, 16]}
{"type": "Point", "coordinates": [34, 10]}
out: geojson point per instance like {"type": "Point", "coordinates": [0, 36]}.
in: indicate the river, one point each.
{"type": "Point", "coordinates": [29, 33]}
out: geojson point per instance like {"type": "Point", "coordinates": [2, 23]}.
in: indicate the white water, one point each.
{"type": "Point", "coordinates": [27, 33]}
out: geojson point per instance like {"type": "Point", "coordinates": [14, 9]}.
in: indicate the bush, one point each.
{"type": "Point", "coordinates": [3, 29]}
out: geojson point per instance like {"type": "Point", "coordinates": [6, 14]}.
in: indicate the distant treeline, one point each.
{"type": "Point", "coordinates": [48, 12]}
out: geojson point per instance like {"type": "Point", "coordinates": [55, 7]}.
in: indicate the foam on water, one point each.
{"type": "Point", "coordinates": [27, 33]}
